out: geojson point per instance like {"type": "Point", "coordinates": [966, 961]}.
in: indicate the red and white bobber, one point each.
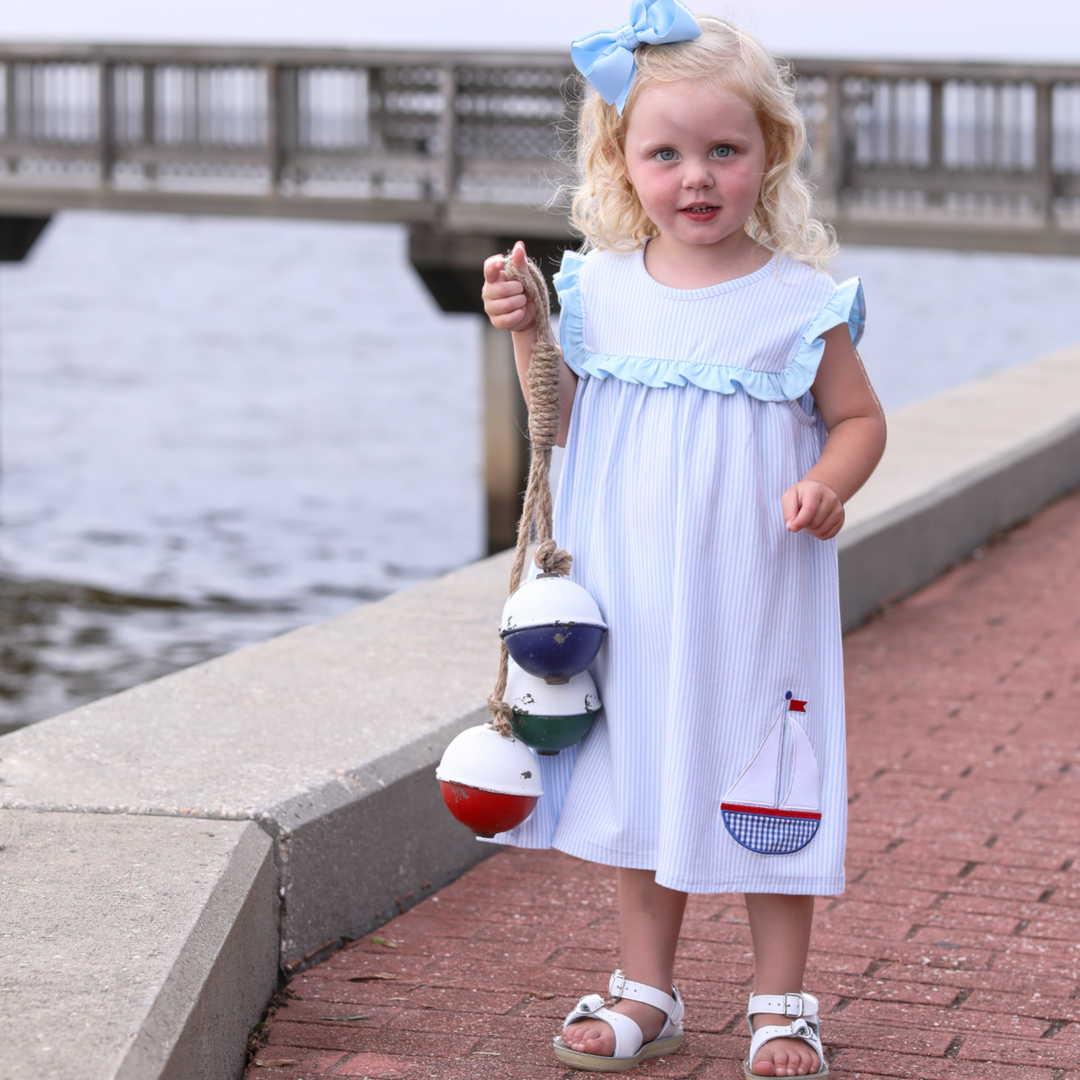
{"type": "Point", "coordinates": [549, 717]}
{"type": "Point", "coordinates": [552, 627]}
{"type": "Point", "coordinates": [489, 782]}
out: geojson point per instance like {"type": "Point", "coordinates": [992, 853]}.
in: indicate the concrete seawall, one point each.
{"type": "Point", "coordinates": [959, 468]}
{"type": "Point", "coordinates": [165, 852]}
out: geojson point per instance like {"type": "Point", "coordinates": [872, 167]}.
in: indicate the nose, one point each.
{"type": "Point", "coordinates": [696, 175]}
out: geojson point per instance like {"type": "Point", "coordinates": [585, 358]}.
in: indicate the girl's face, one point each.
{"type": "Point", "coordinates": [695, 155]}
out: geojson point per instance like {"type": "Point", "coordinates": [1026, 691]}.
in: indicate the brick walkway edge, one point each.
{"type": "Point", "coordinates": [953, 954]}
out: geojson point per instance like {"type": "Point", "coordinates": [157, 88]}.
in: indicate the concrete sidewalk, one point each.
{"type": "Point", "coordinates": [954, 953]}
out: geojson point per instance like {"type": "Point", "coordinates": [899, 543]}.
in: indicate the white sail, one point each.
{"type": "Point", "coordinates": [757, 783]}
{"type": "Point", "coordinates": [804, 790]}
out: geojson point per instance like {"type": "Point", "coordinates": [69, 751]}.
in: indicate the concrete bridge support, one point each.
{"type": "Point", "coordinates": [18, 235]}
{"type": "Point", "coordinates": [451, 265]}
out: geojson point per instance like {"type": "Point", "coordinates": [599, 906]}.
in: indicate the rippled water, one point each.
{"type": "Point", "coordinates": [263, 424]}
{"type": "Point", "coordinates": [215, 430]}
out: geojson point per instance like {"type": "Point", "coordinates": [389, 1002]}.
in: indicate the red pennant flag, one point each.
{"type": "Point", "coordinates": [796, 706]}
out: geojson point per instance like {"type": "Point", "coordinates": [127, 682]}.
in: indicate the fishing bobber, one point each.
{"type": "Point", "coordinates": [550, 717]}
{"type": "Point", "coordinates": [488, 781]}
{"type": "Point", "coordinates": [552, 628]}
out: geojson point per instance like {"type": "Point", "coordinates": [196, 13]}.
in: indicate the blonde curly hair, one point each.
{"type": "Point", "coordinates": [606, 208]}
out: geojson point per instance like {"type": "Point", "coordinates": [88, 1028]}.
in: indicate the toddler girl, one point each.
{"type": "Point", "coordinates": [716, 418]}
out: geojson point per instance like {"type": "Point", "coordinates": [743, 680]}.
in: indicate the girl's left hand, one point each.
{"type": "Point", "coordinates": [812, 506]}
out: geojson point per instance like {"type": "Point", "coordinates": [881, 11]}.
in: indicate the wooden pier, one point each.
{"type": "Point", "coordinates": [470, 150]}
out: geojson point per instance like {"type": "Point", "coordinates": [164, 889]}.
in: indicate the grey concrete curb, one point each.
{"type": "Point", "coordinates": [327, 738]}
{"type": "Point", "coordinates": [365, 848]}
{"type": "Point", "coordinates": [132, 945]}
{"type": "Point", "coordinates": [199, 1023]}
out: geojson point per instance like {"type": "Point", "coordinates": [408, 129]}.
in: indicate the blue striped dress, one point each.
{"type": "Point", "coordinates": [692, 417]}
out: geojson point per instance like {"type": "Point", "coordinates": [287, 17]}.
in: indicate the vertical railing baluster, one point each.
{"type": "Point", "coordinates": [274, 155]}
{"type": "Point", "coordinates": [11, 131]}
{"type": "Point", "coordinates": [149, 116]}
{"type": "Point", "coordinates": [289, 122]}
{"type": "Point", "coordinates": [282, 119]}
{"type": "Point", "coordinates": [1002, 114]}
{"type": "Point", "coordinates": [33, 95]}
{"type": "Point", "coordinates": [447, 135]}
{"type": "Point", "coordinates": [1044, 149]}
{"type": "Point", "coordinates": [199, 98]}
{"type": "Point", "coordinates": [936, 147]}
{"type": "Point", "coordinates": [892, 118]}
{"type": "Point", "coordinates": [835, 171]}
{"type": "Point", "coordinates": [377, 123]}
{"type": "Point", "coordinates": [106, 121]}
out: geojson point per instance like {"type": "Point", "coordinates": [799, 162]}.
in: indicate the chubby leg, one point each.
{"type": "Point", "coordinates": [780, 928]}
{"type": "Point", "coordinates": [649, 919]}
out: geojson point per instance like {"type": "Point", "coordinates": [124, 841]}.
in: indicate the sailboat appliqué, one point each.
{"type": "Point", "coordinates": [774, 807]}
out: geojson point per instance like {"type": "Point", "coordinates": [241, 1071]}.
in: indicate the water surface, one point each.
{"type": "Point", "coordinates": [214, 430]}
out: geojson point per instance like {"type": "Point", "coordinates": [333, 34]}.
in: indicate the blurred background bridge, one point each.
{"type": "Point", "coordinates": [471, 150]}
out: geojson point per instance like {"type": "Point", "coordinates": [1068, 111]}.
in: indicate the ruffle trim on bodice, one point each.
{"type": "Point", "coordinates": [846, 306]}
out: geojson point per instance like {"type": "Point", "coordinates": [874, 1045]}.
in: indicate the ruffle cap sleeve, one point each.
{"type": "Point", "coordinates": [846, 306]}
{"type": "Point", "coordinates": [571, 332]}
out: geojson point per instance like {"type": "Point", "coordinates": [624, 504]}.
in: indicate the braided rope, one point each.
{"type": "Point", "coordinates": [543, 430]}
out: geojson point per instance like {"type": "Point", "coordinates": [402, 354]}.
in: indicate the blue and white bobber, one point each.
{"type": "Point", "coordinates": [552, 627]}
{"type": "Point", "coordinates": [550, 717]}
{"type": "Point", "coordinates": [489, 782]}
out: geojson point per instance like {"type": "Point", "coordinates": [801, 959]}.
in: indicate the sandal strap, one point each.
{"type": "Point", "coordinates": [621, 987]}
{"type": "Point", "coordinates": [793, 1005]}
{"type": "Point", "coordinates": [797, 1029]}
{"type": "Point", "coordinates": [628, 1037]}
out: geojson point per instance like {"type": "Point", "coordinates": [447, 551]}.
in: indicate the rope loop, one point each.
{"type": "Point", "coordinates": [501, 714]}
{"type": "Point", "coordinates": [543, 384]}
{"type": "Point", "coordinates": [551, 558]}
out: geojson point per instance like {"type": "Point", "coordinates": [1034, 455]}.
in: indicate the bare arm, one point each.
{"type": "Point", "coordinates": [855, 424]}
{"type": "Point", "coordinates": [508, 309]}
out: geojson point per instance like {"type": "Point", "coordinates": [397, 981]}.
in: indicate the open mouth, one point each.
{"type": "Point", "coordinates": [701, 212]}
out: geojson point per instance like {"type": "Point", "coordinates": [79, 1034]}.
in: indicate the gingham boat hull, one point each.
{"type": "Point", "coordinates": [768, 831]}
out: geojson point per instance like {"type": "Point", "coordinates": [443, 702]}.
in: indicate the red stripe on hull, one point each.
{"type": "Point", "coordinates": [768, 811]}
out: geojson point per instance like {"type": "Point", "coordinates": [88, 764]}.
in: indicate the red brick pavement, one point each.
{"type": "Point", "coordinates": [954, 954]}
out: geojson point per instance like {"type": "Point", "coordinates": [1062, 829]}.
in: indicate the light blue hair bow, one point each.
{"type": "Point", "coordinates": [606, 58]}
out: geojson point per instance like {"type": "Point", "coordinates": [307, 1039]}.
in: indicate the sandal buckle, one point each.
{"type": "Point", "coordinates": [589, 1005]}
{"type": "Point", "coordinates": [794, 1001]}
{"type": "Point", "coordinates": [617, 984]}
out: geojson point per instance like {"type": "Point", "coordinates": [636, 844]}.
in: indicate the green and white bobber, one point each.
{"type": "Point", "coordinates": [550, 717]}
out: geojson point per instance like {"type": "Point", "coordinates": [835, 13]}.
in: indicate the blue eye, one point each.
{"type": "Point", "coordinates": [724, 151]}
{"type": "Point", "coordinates": [665, 155]}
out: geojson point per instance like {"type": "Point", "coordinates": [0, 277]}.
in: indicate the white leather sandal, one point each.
{"type": "Point", "coordinates": [629, 1048]}
{"type": "Point", "coordinates": [802, 1008]}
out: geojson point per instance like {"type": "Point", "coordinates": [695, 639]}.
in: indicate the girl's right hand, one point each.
{"type": "Point", "coordinates": [505, 303]}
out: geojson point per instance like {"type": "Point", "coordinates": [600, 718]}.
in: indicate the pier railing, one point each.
{"type": "Point", "coordinates": [440, 138]}
{"type": "Point", "coordinates": [902, 152]}
{"type": "Point", "coordinates": [982, 151]}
